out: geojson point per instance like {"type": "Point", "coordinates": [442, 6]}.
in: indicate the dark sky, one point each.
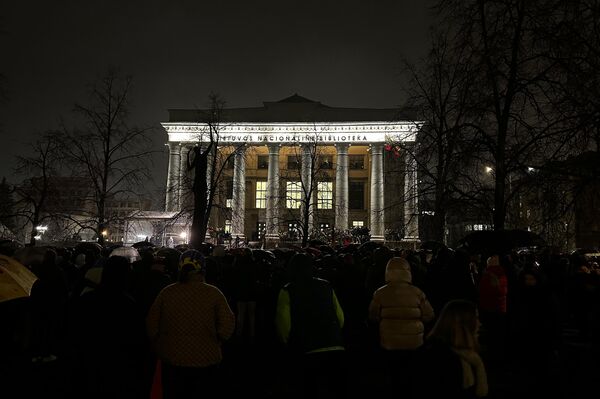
{"type": "Point", "coordinates": [342, 53]}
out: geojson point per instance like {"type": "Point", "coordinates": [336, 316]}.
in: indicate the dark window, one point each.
{"type": "Point", "coordinates": [356, 195]}
{"type": "Point", "coordinates": [356, 161]}
{"type": "Point", "coordinates": [228, 193]}
{"type": "Point", "coordinates": [325, 162]}
{"type": "Point", "coordinates": [263, 162]}
{"type": "Point", "coordinates": [293, 162]}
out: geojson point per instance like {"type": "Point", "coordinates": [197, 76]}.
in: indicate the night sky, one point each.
{"type": "Point", "coordinates": [342, 53]}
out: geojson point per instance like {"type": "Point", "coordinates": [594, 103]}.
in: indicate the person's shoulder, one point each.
{"type": "Point", "coordinates": [321, 282]}
{"type": "Point", "coordinates": [169, 289]}
{"type": "Point", "coordinates": [212, 289]}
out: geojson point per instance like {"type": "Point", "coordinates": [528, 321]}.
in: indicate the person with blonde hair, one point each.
{"type": "Point", "coordinates": [450, 355]}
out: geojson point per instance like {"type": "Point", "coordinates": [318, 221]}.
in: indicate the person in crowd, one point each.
{"type": "Point", "coordinates": [49, 296]}
{"type": "Point", "coordinates": [401, 310]}
{"type": "Point", "coordinates": [109, 339]}
{"type": "Point", "coordinates": [309, 321]}
{"type": "Point", "coordinates": [535, 330]}
{"type": "Point", "coordinates": [187, 324]}
{"type": "Point", "coordinates": [493, 290]}
{"type": "Point", "coordinates": [448, 365]}
{"type": "Point", "coordinates": [245, 295]}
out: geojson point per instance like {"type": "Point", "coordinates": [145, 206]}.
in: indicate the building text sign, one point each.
{"type": "Point", "coordinates": [296, 134]}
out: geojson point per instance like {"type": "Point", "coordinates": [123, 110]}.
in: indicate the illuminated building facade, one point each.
{"type": "Point", "coordinates": [271, 156]}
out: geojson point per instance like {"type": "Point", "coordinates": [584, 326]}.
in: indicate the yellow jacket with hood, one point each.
{"type": "Point", "coordinates": [400, 308]}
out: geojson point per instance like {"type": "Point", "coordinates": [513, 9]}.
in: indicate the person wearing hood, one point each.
{"type": "Point", "coordinates": [309, 321]}
{"type": "Point", "coordinates": [401, 310]}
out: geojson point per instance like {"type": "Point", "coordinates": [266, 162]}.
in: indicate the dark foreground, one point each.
{"type": "Point", "coordinates": [261, 371]}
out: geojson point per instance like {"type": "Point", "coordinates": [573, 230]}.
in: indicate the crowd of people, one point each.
{"type": "Point", "coordinates": [436, 322]}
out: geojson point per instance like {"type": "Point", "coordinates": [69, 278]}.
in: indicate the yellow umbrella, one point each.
{"type": "Point", "coordinates": [15, 279]}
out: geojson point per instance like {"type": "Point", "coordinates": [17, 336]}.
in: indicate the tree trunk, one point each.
{"type": "Point", "coordinates": [499, 214]}
{"type": "Point", "coordinates": [439, 224]}
{"type": "Point", "coordinates": [200, 189]}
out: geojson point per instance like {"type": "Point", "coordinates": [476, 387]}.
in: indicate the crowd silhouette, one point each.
{"type": "Point", "coordinates": [317, 322]}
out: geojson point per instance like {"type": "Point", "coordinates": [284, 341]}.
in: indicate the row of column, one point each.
{"type": "Point", "coordinates": [176, 170]}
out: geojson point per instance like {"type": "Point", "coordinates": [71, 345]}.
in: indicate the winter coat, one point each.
{"type": "Point", "coordinates": [309, 317]}
{"type": "Point", "coordinates": [493, 289]}
{"type": "Point", "coordinates": [400, 308]}
{"type": "Point", "coordinates": [187, 323]}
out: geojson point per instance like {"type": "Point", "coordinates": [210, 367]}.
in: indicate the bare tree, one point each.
{"type": "Point", "coordinates": [440, 86]}
{"type": "Point", "coordinates": [206, 163]}
{"type": "Point", "coordinates": [41, 166]}
{"type": "Point", "coordinates": [310, 171]}
{"type": "Point", "coordinates": [107, 151]}
{"type": "Point", "coordinates": [514, 90]}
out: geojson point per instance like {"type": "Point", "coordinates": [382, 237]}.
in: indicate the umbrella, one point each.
{"type": "Point", "coordinates": [30, 255]}
{"type": "Point", "coordinates": [261, 254]}
{"type": "Point", "coordinates": [143, 244]}
{"type": "Point", "coordinates": [499, 241]}
{"type": "Point", "coordinates": [433, 246]}
{"type": "Point", "coordinates": [127, 252]}
{"type": "Point", "coordinates": [369, 246]}
{"type": "Point", "coordinates": [15, 279]}
{"type": "Point", "coordinates": [9, 247]}
{"type": "Point", "coordinates": [316, 243]}
{"type": "Point", "coordinates": [166, 252]}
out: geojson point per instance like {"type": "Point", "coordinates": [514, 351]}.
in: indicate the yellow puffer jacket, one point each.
{"type": "Point", "coordinates": [400, 308]}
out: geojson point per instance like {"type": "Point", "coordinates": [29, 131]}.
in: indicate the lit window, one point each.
{"type": "Point", "coordinates": [358, 223]}
{"type": "Point", "coordinates": [293, 195]}
{"type": "Point", "coordinates": [261, 194]}
{"type": "Point", "coordinates": [228, 202]}
{"type": "Point", "coordinates": [227, 228]}
{"type": "Point", "coordinates": [325, 195]}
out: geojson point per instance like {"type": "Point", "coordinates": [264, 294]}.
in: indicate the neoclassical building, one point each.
{"type": "Point", "coordinates": [272, 156]}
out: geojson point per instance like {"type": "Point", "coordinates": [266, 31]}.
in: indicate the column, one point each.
{"type": "Point", "coordinates": [341, 187]}
{"type": "Point", "coordinates": [377, 193]}
{"type": "Point", "coordinates": [185, 183]}
{"type": "Point", "coordinates": [173, 177]}
{"type": "Point", "coordinates": [272, 232]}
{"type": "Point", "coordinates": [307, 183]}
{"type": "Point", "coordinates": [239, 194]}
{"type": "Point", "coordinates": [411, 211]}
{"type": "Point", "coordinates": [209, 187]}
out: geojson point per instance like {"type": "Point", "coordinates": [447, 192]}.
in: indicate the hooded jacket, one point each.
{"type": "Point", "coordinates": [400, 308]}
{"type": "Point", "coordinates": [309, 317]}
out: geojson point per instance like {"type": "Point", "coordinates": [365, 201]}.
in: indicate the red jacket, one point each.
{"type": "Point", "coordinates": [493, 288]}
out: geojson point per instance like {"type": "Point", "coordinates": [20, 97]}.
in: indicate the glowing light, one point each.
{"type": "Point", "coordinates": [183, 235]}
{"type": "Point", "coordinates": [104, 233]}
{"type": "Point", "coordinates": [41, 228]}
{"type": "Point", "coordinates": [488, 169]}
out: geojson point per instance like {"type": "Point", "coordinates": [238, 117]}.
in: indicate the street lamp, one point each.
{"type": "Point", "coordinates": [489, 169]}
